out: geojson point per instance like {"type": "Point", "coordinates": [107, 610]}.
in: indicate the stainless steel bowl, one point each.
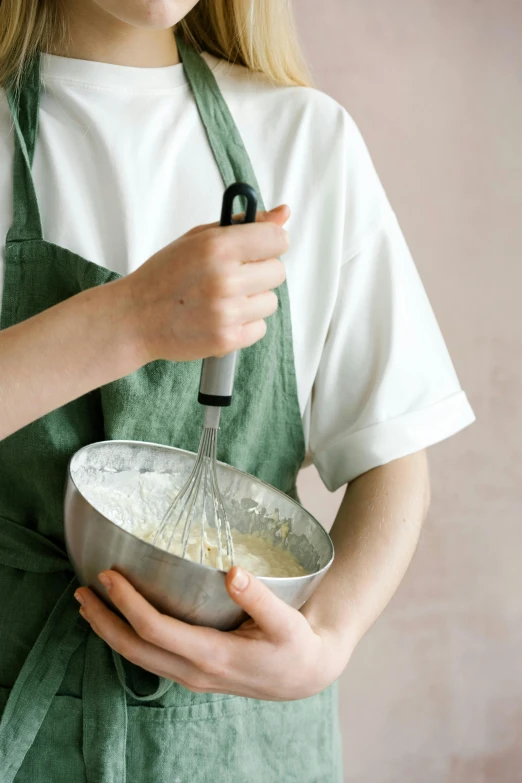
{"type": "Point", "coordinates": [178, 587]}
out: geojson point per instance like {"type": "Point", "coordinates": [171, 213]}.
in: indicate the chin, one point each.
{"type": "Point", "coordinates": [155, 14]}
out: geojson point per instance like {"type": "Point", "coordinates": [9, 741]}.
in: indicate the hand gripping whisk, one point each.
{"type": "Point", "coordinates": [200, 500]}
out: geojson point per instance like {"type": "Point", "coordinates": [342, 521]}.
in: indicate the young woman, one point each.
{"type": "Point", "coordinates": [120, 126]}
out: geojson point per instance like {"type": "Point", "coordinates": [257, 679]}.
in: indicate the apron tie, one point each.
{"type": "Point", "coordinates": [42, 674]}
{"type": "Point", "coordinates": [104, 683]}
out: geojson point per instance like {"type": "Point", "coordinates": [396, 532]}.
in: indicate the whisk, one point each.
{"type": "Point", "coordinates": [200, 498]}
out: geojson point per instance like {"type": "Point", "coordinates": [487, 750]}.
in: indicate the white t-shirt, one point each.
{"type": "Point", "coordinates": [122, 167]}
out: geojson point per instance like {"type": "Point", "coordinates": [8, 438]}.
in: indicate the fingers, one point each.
{"type": "Point", "coordinates": [198, 671]}
{"type": "Point", "coordinates": [279, 215]}
{"type": "Point", "coordinates": [274, 617]}
{"type": "Point", "coordinates": [262, 276]}
{"type": "Point", "coordinates": [202, 652]}
{"type": "Point", "coordinates": [249, 242]}
{"type": "Point", "coordinates": [251, 334]}
{"type": "Point", "coordinates": [124, 640]}
{"type": "Point", "coordinates": [250, 309]}
{"type": "Point", "coordinates": [260, 307]}
{"type": "Point", "coordinates": [224, 283]}
{"type": "Point", "coordinates": [230, 245]}
{"type": "Point", "coordinates": [151, 625]}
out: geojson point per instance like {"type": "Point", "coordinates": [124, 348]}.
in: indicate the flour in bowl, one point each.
{"type": "Point", "coordinates": [139, 503]}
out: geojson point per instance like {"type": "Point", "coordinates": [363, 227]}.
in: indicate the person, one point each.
{"type": "Point", "coordinates": [121, 124]}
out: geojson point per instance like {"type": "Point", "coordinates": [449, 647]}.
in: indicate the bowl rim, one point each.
{"type": "Point", "coordinates": [164, 552]}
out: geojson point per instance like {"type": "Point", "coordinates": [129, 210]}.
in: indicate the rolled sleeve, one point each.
{"type": "Point", "coordinates": [386, 386]}
{"type": "Point", "coordinates": [358, 452]}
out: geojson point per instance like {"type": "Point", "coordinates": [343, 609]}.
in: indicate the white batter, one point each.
{"type": "Point", "coordinates": [137, 503]}
{"type": "Point", "coordinates": [253, 553]}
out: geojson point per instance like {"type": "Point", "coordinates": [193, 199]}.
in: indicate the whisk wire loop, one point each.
{"type": "Point", "coordinates": [200, 496]}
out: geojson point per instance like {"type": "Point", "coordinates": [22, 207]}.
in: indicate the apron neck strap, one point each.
{"type": "Point", "coordinates": [24, 104]}
{"type": "Point", "coordinates": [226, 143]}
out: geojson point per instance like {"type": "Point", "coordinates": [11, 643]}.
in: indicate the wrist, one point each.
{"type": "Point", "coordinates": [122, 323]}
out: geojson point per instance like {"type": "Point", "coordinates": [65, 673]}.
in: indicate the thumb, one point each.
{"type": "Point", "coordinates": [270, 613]}
{"type": "Point", "coordinates": [279, 215]}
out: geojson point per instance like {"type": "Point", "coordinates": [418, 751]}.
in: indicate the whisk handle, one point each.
{"type": "Point", "coordinates": [231, 193]}
{"type": "Point", "coordinates": [217, 374]}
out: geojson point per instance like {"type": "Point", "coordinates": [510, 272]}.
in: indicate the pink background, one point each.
{"type": "Point", "coordinates": [434, 692]}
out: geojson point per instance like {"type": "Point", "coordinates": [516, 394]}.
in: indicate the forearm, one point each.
{"type": "Point", "coordinates": [64, 352]}
{"type": "Point", "coordinates": [375, 535]}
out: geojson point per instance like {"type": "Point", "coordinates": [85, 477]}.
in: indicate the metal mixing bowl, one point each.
{"type": "Point", "coordinates": [180, 588]}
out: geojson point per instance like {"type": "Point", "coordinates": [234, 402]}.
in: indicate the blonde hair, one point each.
{"type": "Point", "coordinates": [259, 34]}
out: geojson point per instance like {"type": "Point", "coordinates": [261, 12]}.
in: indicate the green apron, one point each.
{"type": "Point", "coordinates": [72, 711]}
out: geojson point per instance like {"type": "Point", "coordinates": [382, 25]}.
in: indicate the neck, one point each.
{"type": "Point", "coordinates": [94, 34]}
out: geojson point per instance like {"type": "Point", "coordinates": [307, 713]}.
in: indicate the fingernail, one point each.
{"type": "Point", "coordinates": [83, 613]}
{"type": "Point", "coordinates": [106, 582]}
{"type": "Point", "coordinates": [240, 580]}
{"type": "Point", "coordinates": [79, 597]}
